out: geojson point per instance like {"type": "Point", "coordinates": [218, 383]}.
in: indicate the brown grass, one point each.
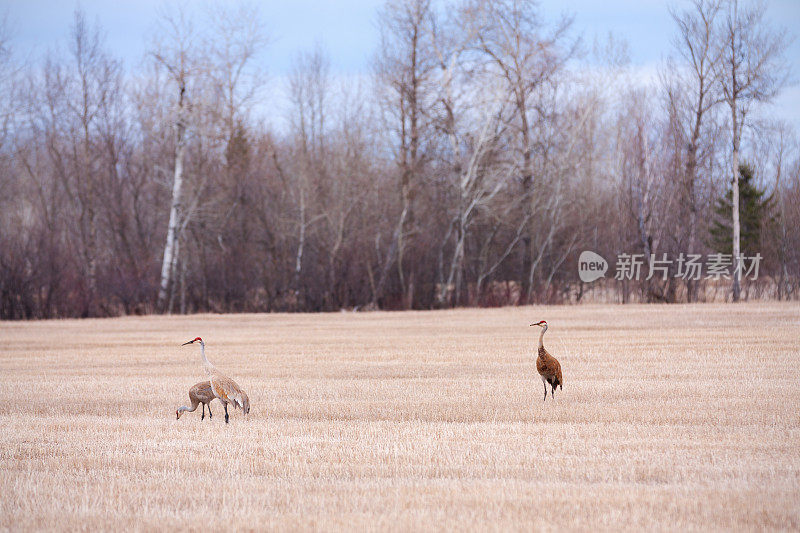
{"type": "Point", "coordinates": [671, 417]}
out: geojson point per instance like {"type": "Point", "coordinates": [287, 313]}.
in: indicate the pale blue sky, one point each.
{"type": "Point", "coordinates": [347, 29]}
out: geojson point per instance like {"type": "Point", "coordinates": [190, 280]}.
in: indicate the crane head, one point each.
{"type": "Point", "coordinates": [541, 323]}
{"type": "Point", "coordinates": [196, 339]}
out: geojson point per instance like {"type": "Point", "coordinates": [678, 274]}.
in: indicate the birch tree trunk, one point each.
{"type": "Point", "coordinates": [753, 71]}
{"type": "Point", "coordinates": [737, 271]}
{"type": "Point", "coordinates": [301, 243]}
{"type": "Point", "coordinates": [170, 248]}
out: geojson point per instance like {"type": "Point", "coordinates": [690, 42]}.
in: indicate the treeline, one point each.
{"type": "Point", "coordinates": [491, 146]}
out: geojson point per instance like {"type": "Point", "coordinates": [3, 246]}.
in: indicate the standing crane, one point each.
{"type": "Point", "coordinates": [200, 393]}
{"type": "Point", "coordinates": [547, 365]}
{"type": "Point", "coordinates": [223, 387]}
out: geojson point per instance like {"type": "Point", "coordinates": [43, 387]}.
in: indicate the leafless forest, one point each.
{"type": "Point", "coordinates": [489, 146]}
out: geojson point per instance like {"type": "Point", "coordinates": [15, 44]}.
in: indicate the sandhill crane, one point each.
{"type": "Point", "coordinates": [222, 386]}
{"type": "Point", "coordinates": [200, 393]}
{"type": "Point", "coordinates": [547, 365]}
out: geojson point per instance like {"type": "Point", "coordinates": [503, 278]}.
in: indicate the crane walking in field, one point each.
{"type": "Point", "coordinates": [223, 387]}
{"type": "Point", "coordinates": [200, 393]}
{"type": "Point", "coordinates": [547, 365]}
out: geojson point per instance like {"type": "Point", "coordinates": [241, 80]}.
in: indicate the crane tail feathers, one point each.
{"type": "Point", "coordinates": [236, 400]}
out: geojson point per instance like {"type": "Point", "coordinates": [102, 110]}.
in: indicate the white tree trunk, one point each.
{"type": "Point", "coordinates": [170, 249]}
{"type": "Point", "coordinates": [301, 243]}
{"type": "Point", "coordinates": [737, 272]}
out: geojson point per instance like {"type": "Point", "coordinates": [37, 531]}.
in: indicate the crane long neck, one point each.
{"type": "Point", "coordinates": [541, 337]}
{"type": "Point", "coordinates": [206, 362]}
{"type": "Point", "coordinates": [186, 409]}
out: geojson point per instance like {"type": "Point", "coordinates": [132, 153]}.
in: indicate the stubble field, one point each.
{"type": "Point", "coordinates": [671, 418]}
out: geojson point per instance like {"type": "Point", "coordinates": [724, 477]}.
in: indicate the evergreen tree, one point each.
{"type": "Point", "coordinates": [755, 215]}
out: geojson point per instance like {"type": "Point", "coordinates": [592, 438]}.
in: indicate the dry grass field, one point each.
{"type": "Point", "coordinates": [671, 418]}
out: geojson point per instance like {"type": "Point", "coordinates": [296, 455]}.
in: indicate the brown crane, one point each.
{"type": "Point", "coordinates": [547, 365]}
{"type": "Point", "coordinates": [223, 387]}
{"type": "Point", "coordinates": [200, 393]}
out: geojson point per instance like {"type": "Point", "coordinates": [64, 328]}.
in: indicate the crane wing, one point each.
{"type": "Point", "coordinates": [202, 392]}
{"type": "Point", "coordinates": [227, 390]}
{"type": "Point", "coordinates": [548, 366]}
{"type": "Point", "coordinates": [202, 389]}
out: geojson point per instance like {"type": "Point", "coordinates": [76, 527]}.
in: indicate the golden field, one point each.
{"type": "Point", "coordinates": [671, 418]}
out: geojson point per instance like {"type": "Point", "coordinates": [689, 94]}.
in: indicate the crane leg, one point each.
{"type": "Point", "coordinates": [544, 383]}
{"type": "Point", "coordinates": [226, 413]}
{"type": "Point", "coordinates": [552, 391]}
{"type": "Point", "coordinates": [210, 416]}
{"type": "Point", "coordinates": [203, 415]}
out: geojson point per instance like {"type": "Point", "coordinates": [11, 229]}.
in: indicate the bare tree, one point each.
{"type": "Point", "coordinates": [692, 92]}
{"type": "Point", "coordinates": [403, 71]}
{"type": "Point", "coordinates": [309, 85]}
{"type": "Point", "coordinates": [480, 174]}
{"type": "Point", "coordinates": [176, 53]}
{"type": "Point", "coordinates": [526, 55]}
{"type": "Point", "coordinates": [784, 245]}
{"type": "Point", "coordinates": [14, 298]}
{"type": "Point", "coordinates": [751, 71]}
{"type": "Point", "coordinates": [236, 79]}
{"type": "Point", "coordinates": [788, 188]}
{"type": "Point", "coordinates": [350, 181]}
{"type": "Point", "coordinates": [636, 164]}
{"type": "Point", "coordinates": [235, 42]}
{"type": "Point", "coordinates": [79, 95]}
{"type": "Point", "coordinates": [7, 83]}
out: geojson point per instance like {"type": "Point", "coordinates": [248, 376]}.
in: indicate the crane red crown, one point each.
{"type": "Point", "coordinates": [197, 339]}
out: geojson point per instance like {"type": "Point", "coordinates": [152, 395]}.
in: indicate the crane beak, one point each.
{"type": "Point", "coordinates": [185, 343]}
